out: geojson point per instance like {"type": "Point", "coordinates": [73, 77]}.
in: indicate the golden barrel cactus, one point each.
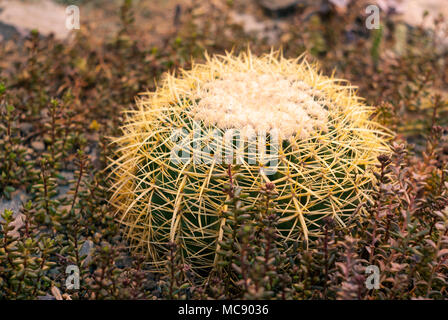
{"type": "Point", "coordinates": [273, 120]}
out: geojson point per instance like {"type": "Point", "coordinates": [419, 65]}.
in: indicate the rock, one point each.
{"type": "Point", "coordinates": [26, 127]}
{"type": "Point", "coordinates": [279, 8]}
{"type": "Point", "coordinates": [56, 293]}
{"type": "Point", "coordinates": [46, 297]}
{"type": "Point", "coordinates": [248, 23]}
{"type": "Point", "coordinates": [150, 285]}
{"type": "Point", "coordinates": [87, 250]}
{"type": "Point", "coordinates": [64, 185]}
{"type": "Point", "coordinates": [340, 6]}
{"type": "Point", "coordinates": [412, 12]}
{"type": "Point", "coordinates": [263, 30]}
{"type": "Point", "coordinates": [157, 292]}
{"type": "Point", "coordinates": [17, 198]}
{"type": "Point", "coordinates": [18, 223]}
{"type": "Point", "coordinates": [38, 145]}
{"type": "Point", "coordinates": [21, 17]}
{"type": "Point", "coordinates": [7, 31]}
{"type": "Point", "coordinates": [150, 276]}
{"type": "Point", "coordinates": [67, 176]}
{"type": "Point", "coordinates": [28, 154]}
{"type": "Point", "coordinates": [124, 261]}
{"type": "Point", "coordinates": [15, 204]}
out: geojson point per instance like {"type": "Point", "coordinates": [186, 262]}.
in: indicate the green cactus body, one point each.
{"type": "Point", "coordinates": [323, 164]}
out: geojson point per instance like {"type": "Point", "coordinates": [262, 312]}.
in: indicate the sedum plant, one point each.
{"type": "Point", "coordinates": [233, 125]}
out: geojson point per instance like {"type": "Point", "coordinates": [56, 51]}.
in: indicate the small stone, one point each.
{"type": "Point", "coordinates": [151, 276]}
{"type": "Point", "coordinates": [67, 176]}
{"type": "Point", "coordinates": [28, 153]}
{"type": "Point", "coordinates": [87, 250]}
{"type": "Point", "coordinates": [279, 7]}
{"type": "Point", "coordinates": [17, 198]}
{"type": "Point", "coordinates": [46, 297]}
{"type": "Point", "coordinates": [150, 285]}
{"type": "Point", "coordinates": [8, 31]}
{"type": "Point", "coordinates": [26, 127]}
{"type": "Point", "coordinates": [445, 149]}
{"type": "Point", "coordinates": [123, 262]}
{"type": "Point", "coordinates": [38, 146]}
{"type": "Point", "coordinates": [18, 223]}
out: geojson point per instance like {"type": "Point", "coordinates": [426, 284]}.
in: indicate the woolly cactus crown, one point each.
{"type": "Point", "coordinates": [326, 143]}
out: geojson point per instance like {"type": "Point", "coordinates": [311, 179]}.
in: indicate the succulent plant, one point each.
{"type": "Point", "coordinates": [248, 121]}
